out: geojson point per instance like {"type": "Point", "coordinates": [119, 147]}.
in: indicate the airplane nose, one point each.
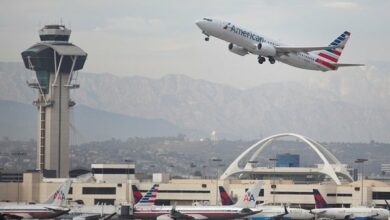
{"type": "Point", "coordinates": [199, 23]}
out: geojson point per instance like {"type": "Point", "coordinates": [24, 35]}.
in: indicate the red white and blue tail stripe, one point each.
{"type": "Point", "coordinates": [150, 196]}
{"type": "Point", "coordinates": [329, 57]}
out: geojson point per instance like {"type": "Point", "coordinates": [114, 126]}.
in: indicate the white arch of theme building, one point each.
{"type": "Point", "coordinates": [331, 165]}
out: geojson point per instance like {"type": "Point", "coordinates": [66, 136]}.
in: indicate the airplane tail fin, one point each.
{"type": "Point", "coordinates": [329, 57]}
{"type": "Point", "coordinates": [150, 196]}
{"type": "Point", "coordinates": [137, 196]}
{"type": "Point", "coordinates": [58, 198]}
{"type": "Point", "coordinates": [248, 200]}
{"type": "Point", "coordinates": [225, 198]}
{"type": "Point", "coordinates": [319, 200]}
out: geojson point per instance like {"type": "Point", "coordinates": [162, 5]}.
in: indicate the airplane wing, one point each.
{"type": "Point", "coordinates": [176, 215]}
{"type": "Point", "coordinates": [364, 216]}
{"type": "Point", "coordinates": [9, 216]}
{"type": "Point", "coordinates": [346, 64]}
{"type": "Point", "coordinates": [181, 216]}
{"type": "Point", "coordinates": [292, 49]}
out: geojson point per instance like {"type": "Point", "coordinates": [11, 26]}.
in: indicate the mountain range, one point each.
{"type": "Point", "coordinates": [351, 107]}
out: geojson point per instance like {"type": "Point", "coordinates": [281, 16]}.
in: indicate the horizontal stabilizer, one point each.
{"type": "Point", "coordinates": [346, 64]}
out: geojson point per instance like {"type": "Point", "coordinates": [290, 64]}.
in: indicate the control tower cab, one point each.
{"type": "Point", "coordinates": [54, 33]}
{"type": "Point", "coordinates": [54, 61]}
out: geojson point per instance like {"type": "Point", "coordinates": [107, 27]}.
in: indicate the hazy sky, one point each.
{"type": "Point", "coordinates": [155, 38]}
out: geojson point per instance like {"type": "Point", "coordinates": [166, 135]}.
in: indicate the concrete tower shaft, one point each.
{"type": "Point", "coordinates": [54, 60]}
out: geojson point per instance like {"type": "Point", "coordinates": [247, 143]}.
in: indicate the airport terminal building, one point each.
{"type": "Point", "coordinates": [111, 184]}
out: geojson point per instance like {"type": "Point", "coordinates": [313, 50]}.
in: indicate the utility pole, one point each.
{"type": "Point", "coordinates": [217, 160]}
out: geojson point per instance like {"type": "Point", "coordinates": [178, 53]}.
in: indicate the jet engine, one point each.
{"type": "Point", "coordinates": [266, 50]}
{"type": "Point", "coordinates": [237, 50]}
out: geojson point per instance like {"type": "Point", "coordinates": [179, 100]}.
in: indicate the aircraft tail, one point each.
{"type": "Point", "coordinates": [58, 198]}
{"type": "Point", "coordinates": [150, 196]}
{"type": "Point", "coordinates": [319, 200]}
{"type": "Point", "coordinates": [248, 200]}
{"type": "Point", "coordinates": [137, 196]}
{"type": "Point", "coordinates": [225, 198]}
{"type": "Point", "coordinates": [329, 57]}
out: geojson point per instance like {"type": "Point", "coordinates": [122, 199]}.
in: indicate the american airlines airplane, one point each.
{"type": "Point", "coordinates": [52, 208]}
{"type": "Point", "coordinates": [323, 210]}
{"type": "Point", "coordinates": [145, 208]}
{"type": "Point", "coordinates": [243, 41]}
{"type": "Point", "coordinates": [270, 211]}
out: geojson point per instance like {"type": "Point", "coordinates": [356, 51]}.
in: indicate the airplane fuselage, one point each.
{"type": "Point", "coordinates": [202, 212]}
{"type": "Point", "coordinates": [352, 213]}
{"type": "Point", "coordinates": [271, 212]}
{"type": "Point", "coordinates": [32, 211]}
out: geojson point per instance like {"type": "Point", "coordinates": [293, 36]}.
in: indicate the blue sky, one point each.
{"type": "Point", "coordinates": [155, 38]}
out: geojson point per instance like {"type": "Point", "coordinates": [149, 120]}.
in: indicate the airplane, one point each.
{"type": "Point", "coordinates": [271, 211]}
{"type": "Point", "coordinates": [243, 41]}
{"type": "Point", "coordinates": [323, 210]}
{"type": "Point", "coordinates": [53, 207]}
{"type": "Point", "coordinates": [145, 208]}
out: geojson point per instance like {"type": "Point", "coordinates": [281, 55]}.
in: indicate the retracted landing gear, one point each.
{"type": "Point", "coordinates": [261, 59]}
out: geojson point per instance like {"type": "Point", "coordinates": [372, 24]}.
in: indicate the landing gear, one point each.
{"type": "Point", "coordinates": [207, 38]}
{"type": "Point", "coordinates": [271, 60]}
{"type": "Point", "coordinates": [261, 59]}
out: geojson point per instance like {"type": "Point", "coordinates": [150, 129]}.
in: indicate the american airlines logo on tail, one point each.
{"type": "Point", "coordinates": [59, 195]}
{"type": "Point", "coordinates": [249, 197]}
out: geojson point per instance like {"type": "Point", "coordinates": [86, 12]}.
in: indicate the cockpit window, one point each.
{"type": "Point", "coordinates": [208, 19]}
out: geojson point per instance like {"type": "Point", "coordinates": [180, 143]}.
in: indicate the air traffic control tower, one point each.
{"type": "Point", "coordinates": [54, 61]}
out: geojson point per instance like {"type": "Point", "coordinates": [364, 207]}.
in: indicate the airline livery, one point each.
{"type": "Point", "coordinates": [242, 42]}
{"type": "Point", "coordinates": [52, 208]}
{"type": "Point", "coordinates": [145, 208]}
{"type": "Point", "coordinates": [271, 211]}
{"type": "Point", "coordinates": [323, 210]}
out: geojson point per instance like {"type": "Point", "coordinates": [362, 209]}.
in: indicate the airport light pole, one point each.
{"type": "Point", "coordinates": [217, 161]}
{"type": "Point", "coordinates": [273, 186]}
{"type": "Point", "coordinates": [361, 160]}
{"type": "Point", "coordinates": [128, 161]}
{"type": "Point", "coordinates": [18, 154]}
{"type": "Point", "coordinates": [252, 162]}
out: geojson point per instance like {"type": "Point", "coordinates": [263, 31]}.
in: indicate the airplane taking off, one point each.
{"type": "Point", "coordinates": [242, 42]}
{"type": "Point", "coordinates": [52, 208]}
{"type": "Point", "coordinates": [323, 210]}
{"type": "Point", "coordinates": [145, 208]}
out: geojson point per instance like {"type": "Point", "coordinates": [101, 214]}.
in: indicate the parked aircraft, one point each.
{"type": "Point", "coordinates": [243, 41]}
{"type": "Point", "coordinates": [323, 210]}
{"type": "Point", "coordinates": [52, 208]}
{"type": "Point", "coordinates": [145, 208]}
{"type": "Point", "coordinates": [271, 211]}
